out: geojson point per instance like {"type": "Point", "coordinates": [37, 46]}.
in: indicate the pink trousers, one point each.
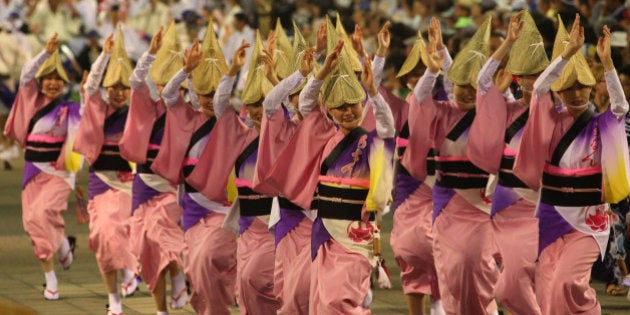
{"type": "Point", "coordinates": [516, 232]}
{"type": "Point", "coordinates": [254, 275]}
{"type": "Point", "coordinates": [340, 280]}
{"type": "Point", "coordinates": [210, 265]}
{"type": "Point", "coordinates": [44, 200]}
{"type": "Point", "coordinates": [412, 243]}
{"type": "Point", "coordinates": [156, 238]}
{"type": "Point", "coordinates": [465, 250]}
{"type": "Point", "coordinates": [292, 274]}
{"type": "Point", "coordinates": [563, 274]}
{"type": "Point", "coordinates": [109, 231]}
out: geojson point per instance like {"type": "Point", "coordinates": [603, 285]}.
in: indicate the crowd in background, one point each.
{"type": "Point", "coordinates": [83, 25]}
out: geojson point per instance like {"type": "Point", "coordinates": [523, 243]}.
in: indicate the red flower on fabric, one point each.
{"type": "Point", "coordinates": [124, 177]}
{"type": "Point", "coordinates": [359, 231]}
{"type": "Point", "coordinates": [597, 218]}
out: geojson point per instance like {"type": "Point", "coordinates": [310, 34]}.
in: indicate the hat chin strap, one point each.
{"type": "Point", "coordinates": [578, 107]}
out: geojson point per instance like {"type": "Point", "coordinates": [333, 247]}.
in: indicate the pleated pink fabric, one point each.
{"type": "Point", "coordinates": [254, 276]}
{"type": "Point", "coordinates": [156, 238]}
{"type": "Point", "coordinates": [109, 231]}
{"type": "Point", "coordinates": [412, 243]}
{"type": "Point", "coordinates": [292, 278]}
{"type": "Point", "coordinates": [563, 274]}
{"type": "Point", "coordinates": [210, 265]}
{"type": "Point", "coordinates": [44, 200]}
{"type": "Point", "coordinates": [466, 269]}
{"type": "Point", "coordinates": [330, 266]}
{"type": "Point", "coordinates": [516, 233]}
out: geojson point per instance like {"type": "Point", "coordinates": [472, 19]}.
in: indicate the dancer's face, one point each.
{"type": "Point", "coordinates": [575, 96]}
{"type": "Point", "coordinates": [465, 96]}
{"type": "Point", "coordinates": [118, 95]}
{"type": "Point", "coordinates": [255, 112]}
{"type": "Point", "coordinates": [206, 103]}
{"type": "Point", "coordinates": [347, 116]}
{"type": "Point", "coordinates": [52, 85]}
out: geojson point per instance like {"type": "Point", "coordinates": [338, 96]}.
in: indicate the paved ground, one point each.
{"type": "Point", "coordinates": [81, 288]}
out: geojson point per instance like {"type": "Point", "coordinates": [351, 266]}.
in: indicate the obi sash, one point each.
{"type": "Point", "coordinates": [341, 203]}
{"type": "Point", "coordinates": [459, 172]}
{"type": "Point", "coordinates": [571, 187]}
{"type": "Point", "coordinates": [43, 149]}
{"type": "Point", "coordinates": [109, 159]}
{"type": "Point", "coordinates": [251, 202]}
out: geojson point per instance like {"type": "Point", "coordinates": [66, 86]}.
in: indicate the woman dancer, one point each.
{"type": "Point", "coordinates": [45, 125]}
{"type": "Point", "coordinates": [110, 177]}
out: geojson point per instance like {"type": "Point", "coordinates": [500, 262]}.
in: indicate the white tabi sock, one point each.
{"type": "Point", "coordinates": [162, 313]}
{"type": "Point", "coordinates": [127, 275]}
{"type": "Point", "coordinates": [51, 280]}
{"type": "Point", "coordinates": [178, 283]}
{"type": "Point", "coordinates": [437, 308]}
{"type": "Point", "coordinates": [64, 248]}
{"type": "Point", "coordinates": [65, 256]}
{"type": "Point", "coordinates": [179, 296]}
{"type": "Point", "coordinates": [115, 305]}
{"type": "Point", "coordinates": [367, 300]}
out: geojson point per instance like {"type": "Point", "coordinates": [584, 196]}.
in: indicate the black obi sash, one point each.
{"type": "Point", "coordinates": [571, 190]}
{"type": "Point", "coordinates": [109, 159]}
{"type": "Point", "coordinates": [339, 202]}
{"type": "Point", "coordinates": [37, 151]}
{"type": "Point", "coordinates": [251, 203]}
{"type": "Point", "coordinates": [453, 173]}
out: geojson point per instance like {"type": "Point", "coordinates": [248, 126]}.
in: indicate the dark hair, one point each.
{"type": "Point", "coordinates": [241, 17]}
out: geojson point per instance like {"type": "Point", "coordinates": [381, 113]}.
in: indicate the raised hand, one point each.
{"type": "Point", "coordinates": [435, 32]}
{"type": "Point", "coordinates": [435, 57]}
{"type": "Point", "coordinates": [503, 80]}
{"type": "Point", "coordinates": [357, 40]}
{"type": "Point", "coordinates": [603, 49]}
{"type": "Point", "coordinates": [331, 62]}
{"type": "Point", "coordinates": [515, 27]}
{"type": "Point", "coordinates": [576, 39]}
{"type": "Point", "coordinates": [322, 38]}
{"type": "Point", "coordinates": [239, 59]}
{"type": "Point", "coordinates": [156, 41]}
{"type": "Point", "coordinates": [108, 46]}
{"type": "Point", "coordinates": [270, 72]}
{"type": "Point", "coordinates": [384, 40]}
{"type": "Point", "coordinates": [367, 77]}
{"type": "Point", "coordinates": [272, 38]}
{"type": "Point", "coordinates": [308, 61]}
{"type": "Point", "coordinates": [52, 45]}
{"type": "Point", "coordinates": [192, 57]}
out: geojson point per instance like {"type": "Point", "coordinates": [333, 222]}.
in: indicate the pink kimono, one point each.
{"type": "Point", "coordinates": [110, 178]}
{"type": "Point", "coordinates": [411, 238]}
{"type": "Point", "coordinates": [343, 234]}
{"type": "Point", "coordinates": [293, 228]}
{"type": "Point", "coordinates": [463, 244]}
{"type": "Point", "coordinates": [494, 141]}
{"type": "Point", "coordinates": [46, 130]}
{"type": "Point", "coordinates": [186, 152]}
{"type": "Point", "coordinates": [156, 238]}
{"type": "Point", "coordinates": [588, 152]}
{"type": "Point", "coordinates": [255, 255]}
